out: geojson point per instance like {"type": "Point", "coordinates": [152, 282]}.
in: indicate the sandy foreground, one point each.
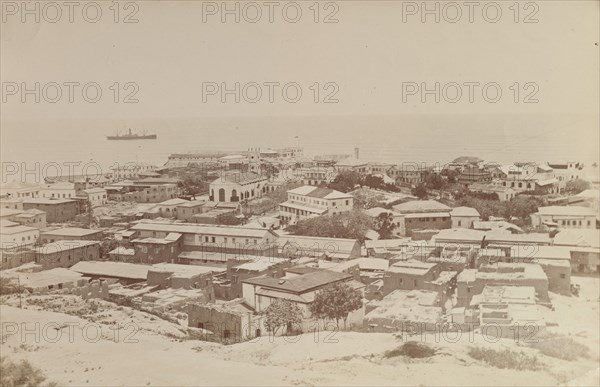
{"type": "Point", "coordinates": [112, 345]}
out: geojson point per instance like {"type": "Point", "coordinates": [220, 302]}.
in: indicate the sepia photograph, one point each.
{"type": "Point", "coordinates": [299, 193]}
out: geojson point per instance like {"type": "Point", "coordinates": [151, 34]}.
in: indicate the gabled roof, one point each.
{"type": "Point", "coordinates": [64, 245]}
{"type": "Point", "coordinates": [316, 192]}
{"type": "Point", "coordinates": [326, 245]}
{"type": "Point", "coordinates": [173, 202]}
{"type": "Point", "coordinates": [412, 266]}
{"type": "Point", "coordinates": [421, 206]}
{"type": "Point", "coordinates": [300, 284]}
{"type": "Point", "coordinates": [241, 178]}
{"type": "Point", "coordinates": [71, 231]}
{"type": "Point", "coordinates": [464, 211]}
{"type": "Point", "coordinates": [566, 211]}
{"type": "Point", "coordinates": [578, 237]}
{"type": "Point", "coordinates": [112, 269]}
{"type": "Point", "coordinates": [489, 188]}
{"type": "Point", "coordinates": [202, 229]}
{"type": "Point", "coordinates": [351, 162]}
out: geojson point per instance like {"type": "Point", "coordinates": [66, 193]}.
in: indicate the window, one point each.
{"type": "Point", "coordinates": [225, 240]}
{"type": "Point", "coordinates": [459, 223]}
{"type": "Point", "coordinates": [205, 239]}
{"type": "Point", "coordinates": [213, 239]}
{"type": "Point", "coordinates": [563, 276]}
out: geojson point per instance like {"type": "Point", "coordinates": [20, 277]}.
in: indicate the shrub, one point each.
{"type": "Point", "coordinates": [561, 347]}
{"type": "Point", "coordinates": [20, 374]}
{"type": "Point", "coordinates": [411, 349]}
{"type": "Point", "coordinates": [505, 359]}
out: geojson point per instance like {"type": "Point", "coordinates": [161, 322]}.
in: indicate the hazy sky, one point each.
{"type": "Point", "coordinates": [369, 54]}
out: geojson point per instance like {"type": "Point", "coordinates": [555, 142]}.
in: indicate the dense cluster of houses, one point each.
{"type": "Point", "coordinates": [444, 265]}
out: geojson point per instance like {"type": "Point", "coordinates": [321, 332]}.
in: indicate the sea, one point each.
{"type": "Point", "coordinates": [81, 145]}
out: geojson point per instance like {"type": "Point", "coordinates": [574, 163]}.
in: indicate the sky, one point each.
{"type": "Point", "coordinates": [373, 63]}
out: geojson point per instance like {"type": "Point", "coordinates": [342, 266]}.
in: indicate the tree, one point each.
{"type": "Point", "coordinates": [353, 225]}
{"type": "Point", "coordinates": [521, 207]}
{"type": "Point", "coordinates": [451, 175]}
{"type": "Point", "coordinates": [420, 191]}
{"type": "Point", "coordinates": [384, 225]}
{"type": "Point", "coordinates": [282, 313]}
{"type": "Point", "coordinates": [434, 181]}
{"type": "Point", "coordinates": [192, 186]}
{"type": "Point", "coordinates": [108, 245]}
{"type": "Point", "coordinates": [576, 186]}
{"type": "Point", "coordinates": [228, 219]}
{"type": "Point", "coordinates": [346, 181]}
{"type": "Point", "coordinates": [335, 302]}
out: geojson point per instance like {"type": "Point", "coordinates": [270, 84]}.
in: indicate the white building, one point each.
{"type": "Point", "coordinates": [14, 235]}
{"type": "Point", "coordinates": [96, 196]}
{"type": "Point", "coordinates": [309, 201]}
{"type": "Point", "coordinates": [59, 190]}
{"type": "Point", "coordinates": [17, 189]}
{"type": "Point", "coordinates": [564, 217]}
{"type": "Point", "coordinates": [504, 193]}
{"type": "Point", "coordinates": [130, 170]}
{"type": "Point", "coordinates": [237, 187]}
{"type": "Point", "coordinates": [464, 217]}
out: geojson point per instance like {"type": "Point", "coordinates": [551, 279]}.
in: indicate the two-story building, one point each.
{"type": "Point", "coordinates": [424, 215]}
{"type": "Point", "coordinates": [309, 201]}
{"type": "Point", "coordinates": [564, 217]}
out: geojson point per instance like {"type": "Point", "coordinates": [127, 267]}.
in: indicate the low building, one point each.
{"type": "Point", "coordinates": [175, 276]}
{"type": "Point", "coordinates": [584, 246]}
{"type": "Point", "coordinates": [330, 249]}
{"type": "Point", "coordinates": [95, 196]}
{"type": "Point", "coordinates": [309, 201]}
{"type": "Point", "coordinates": [13, 235]}
{"type": "Point", "coordinates": [260, 292]}
{"type": "Point", "coordinates": [316, 176]}
{"type": "Point", "coordinates": [19, 190]}
{"type": "Point", "coordinates": [508, 312]}
{"type": "Point", "coordinates": [71, 234]}
{"type": "Point", "coordinates": [424, 215]}
{"type": "Point", "coordinates": [237, 187]}
{"type": "Point", "coordinates": [564, 217]}
{"type": "Point", "coordinates": [58, 190]}
{"type": "Point", "coordinates": [464, 217]}
{"type": "Point", "coordinates": [168, 208]}
{"type": "Point", "coordinates": [186, 211]}
{"type": "Point", "coordinates": [122, 254]}
{"type": "Point", "coordinates": [489, 225]}
{"type": "Point", "coordinates": [57, 210]}
{"type": "Point", "coordinates": [152, 250]}
{"type": "Point", "coordinates": [503, 193]}
{"type": "Point", "coordinates": [66, 253]}
{"type": "Point", "coordinates": [471, 282]}
{"type": "Point", "coordinates": [225, 322]}
{"type": "Point", "coordinates": [31, 218]}
{"type": "Point", "coordinates": [225, 239]}
{"type": "Point", "coordinates": [410, 311]}
{"type": "Point", "coordinates": [124, 273]}
{"type": "Point", "coordinates": [352, 164]}
{"type": "Point", "coordinates": [242, 268]}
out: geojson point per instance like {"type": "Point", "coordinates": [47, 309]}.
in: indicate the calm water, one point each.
{"type": "Point", "coordinates": [379, 139]}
